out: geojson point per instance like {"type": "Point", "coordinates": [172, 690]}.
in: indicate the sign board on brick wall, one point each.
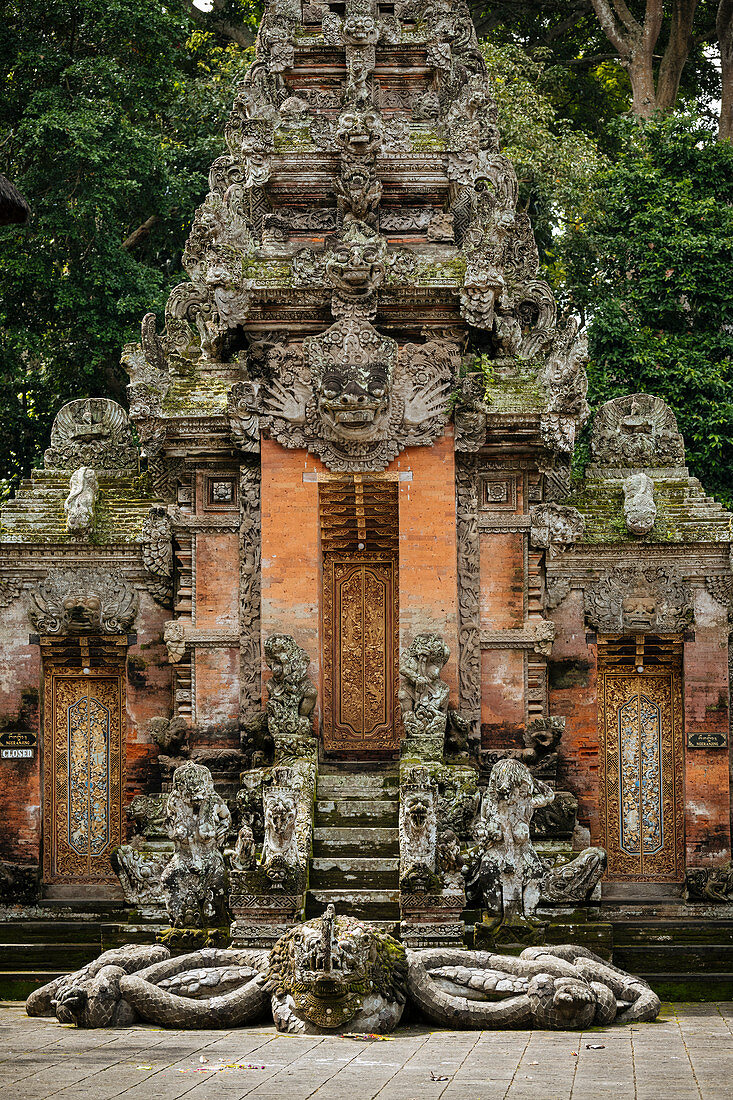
{"type": "Point", "coordinates": [18, 745]}
{"type": "Point", "coordinates": [706, 740]}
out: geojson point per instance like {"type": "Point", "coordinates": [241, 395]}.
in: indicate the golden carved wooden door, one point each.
{"type": "Point", "coordinates": [641, 780]}
{"type": "Point", "coordinates": [83, 776]}
{"type": "Point", "coordinates": [360, 653]}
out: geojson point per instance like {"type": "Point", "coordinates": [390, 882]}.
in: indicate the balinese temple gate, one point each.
{"type": "Point", "coordinates": [333, 557]}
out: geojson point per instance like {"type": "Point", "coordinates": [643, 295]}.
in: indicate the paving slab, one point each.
{"type": "Point", "coordinates": [687, 1054]}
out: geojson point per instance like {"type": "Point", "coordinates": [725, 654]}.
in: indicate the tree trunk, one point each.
{"type": "Point", "coordinates": [140, 233]}
{"type": "Point", "coordinates": [635, 44]}
{"type": "Point", "coordinates": [676, 53]}
{"type": "Point", "coordinates": [724, 28]}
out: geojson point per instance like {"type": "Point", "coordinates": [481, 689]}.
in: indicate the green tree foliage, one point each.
{"type": "Point", "coordinates": [111, 112]}
{"type": "Point", "coordinates": [651, 270]}
{"type": "Point", "coordinates": [555, 162]}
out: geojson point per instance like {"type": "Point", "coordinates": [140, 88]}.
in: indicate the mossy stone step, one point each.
{"type": "Point", "coordinates": [357, 787]}
{"type": "Point", "coordinates": [18, 984]}
{"type": "Point", "coordinates": [377, 905]}
{"type": "Point", "coordinates": [354, 872]}
{"type": "Point", "coordinates": [672, 932]}
{"type": "Point", "coordinates": [684, 958]}
{"type": "Point", "coordinates": [49, 931]}
{"type": "Point", "coordinates": [334, 841]}
{"type": "Point", "coordinates": [48, 956]}
{"type": "Point", "coordinates": [692, 987]}
{"type": "Point", "coordinates": [347, 811]}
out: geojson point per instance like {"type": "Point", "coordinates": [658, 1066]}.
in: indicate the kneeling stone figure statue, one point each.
{"type": "Point", "coordinates": [504, 872]}
{"type": "Point", "coordinates": [335, 972]}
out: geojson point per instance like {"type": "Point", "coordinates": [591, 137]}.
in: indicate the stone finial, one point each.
{"type": "Point", "coordinates": [640, 511]}
{"type": "Point", "coordinates": [637, 432]}
{"type": "Point", "coordinates": [81, 501]}
{"type": "Point", "coordinates": [93, 431]}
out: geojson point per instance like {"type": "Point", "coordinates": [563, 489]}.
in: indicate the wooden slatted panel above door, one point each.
{"type": "Point", "coordinates": [359, 513]}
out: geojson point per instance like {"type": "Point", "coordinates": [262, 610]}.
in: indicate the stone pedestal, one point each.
{"type": "Point", "coordinates": [261, 918]}
{"type": "Point", "coordinates": [432, 920]}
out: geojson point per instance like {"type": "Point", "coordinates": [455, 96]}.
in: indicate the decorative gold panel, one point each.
{"type": "Point", "coordinates": [641, 782]}
{"type": "Point", "coordinates": [360, 653]}
{"type": "Point", "coordinates": [83, 776]}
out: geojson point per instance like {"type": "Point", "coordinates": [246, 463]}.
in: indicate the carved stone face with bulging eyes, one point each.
{"type": "Point", "coordinates": [354, 401]}
{"type": "Point", "coordinates": [359, 132]}
{"type": "Point", "coordinates": [356, 266]}
{"type": "Point", "coordinates": [361, 30]}
{"type": "Point", "coordinates": [639, 611]}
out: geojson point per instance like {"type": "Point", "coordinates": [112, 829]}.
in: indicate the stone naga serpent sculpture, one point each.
{"type": "Point", "coordinates": [334, 972]}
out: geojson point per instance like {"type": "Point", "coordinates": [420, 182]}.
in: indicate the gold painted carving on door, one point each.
{"type": "Point", "coordinates": [360, 653]}
{"type": "Point", "coordinates": [641, 782]}
{"type": "Point", "coordinates": [83, 777]}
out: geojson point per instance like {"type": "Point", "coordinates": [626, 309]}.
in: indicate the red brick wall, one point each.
{"type": "Point", "coordinates": [291, 549]}
{"type": "Point", "coordinates": [573, 695]}
{"type": "Point", "coordinates": [428, 553]}
{"type": "Point", "coordinates": [707, 773]}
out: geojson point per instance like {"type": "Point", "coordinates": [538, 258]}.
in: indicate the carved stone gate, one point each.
{"type": "Point", "coordinates": [83, 764]}
{"type": "Point", "coordinates": [641, 778]}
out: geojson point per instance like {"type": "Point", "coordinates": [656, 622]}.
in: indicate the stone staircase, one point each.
{"type": "Point", "coordinates": [56, 938]}
{"type": "Point", "coordinates": [682, 959]}
{"type": "Point", "coordinates": [356, 854]}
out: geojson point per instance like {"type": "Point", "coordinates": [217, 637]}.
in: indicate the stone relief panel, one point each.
{"type": "Point", "coordinates": [635, 600]}
{"type": "Point", "coordinates": [82, 601]}
{"type": "Point", "coordinates": [638, 431]}
{"type": "Point", "coordinates": [353, 401]}
{"type": "Point", "coordinates": [555, 527]}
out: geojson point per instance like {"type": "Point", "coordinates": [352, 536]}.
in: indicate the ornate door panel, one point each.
{"type": "Point", "coordinates": [360, 653]}
{"type": "Point", "coordinates": [641, 790]}
{"type": "Point", "coordinates": [83, 776]}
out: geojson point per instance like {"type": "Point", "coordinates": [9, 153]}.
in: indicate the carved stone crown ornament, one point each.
{"type": "Point", "coordinates": [636, 432]}
{"type": "Point", "coordinates": [93, 432]}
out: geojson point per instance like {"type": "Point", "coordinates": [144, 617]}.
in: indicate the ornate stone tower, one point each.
{"type": "Point", "coordinates": [316, 405]}
{"type": "Point", "coordinates": [356, 530]}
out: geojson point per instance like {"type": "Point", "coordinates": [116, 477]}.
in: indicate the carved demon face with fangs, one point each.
{"type": "Point", "coordinates": [359, 132]}
{"type": "Point", "coordinates": [336, 970]}
{"type": "Point", "coordinates": [354, 400]}
{"type": "Point", "coordinates": [356, 265]}
{"type": "Point", "coordinates": [639, 611]}
{"type": "Point", "coordinates": [361, 30]}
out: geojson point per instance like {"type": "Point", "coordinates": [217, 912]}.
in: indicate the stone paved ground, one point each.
{"type": "Point", "coordinates": [686, 1055]}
